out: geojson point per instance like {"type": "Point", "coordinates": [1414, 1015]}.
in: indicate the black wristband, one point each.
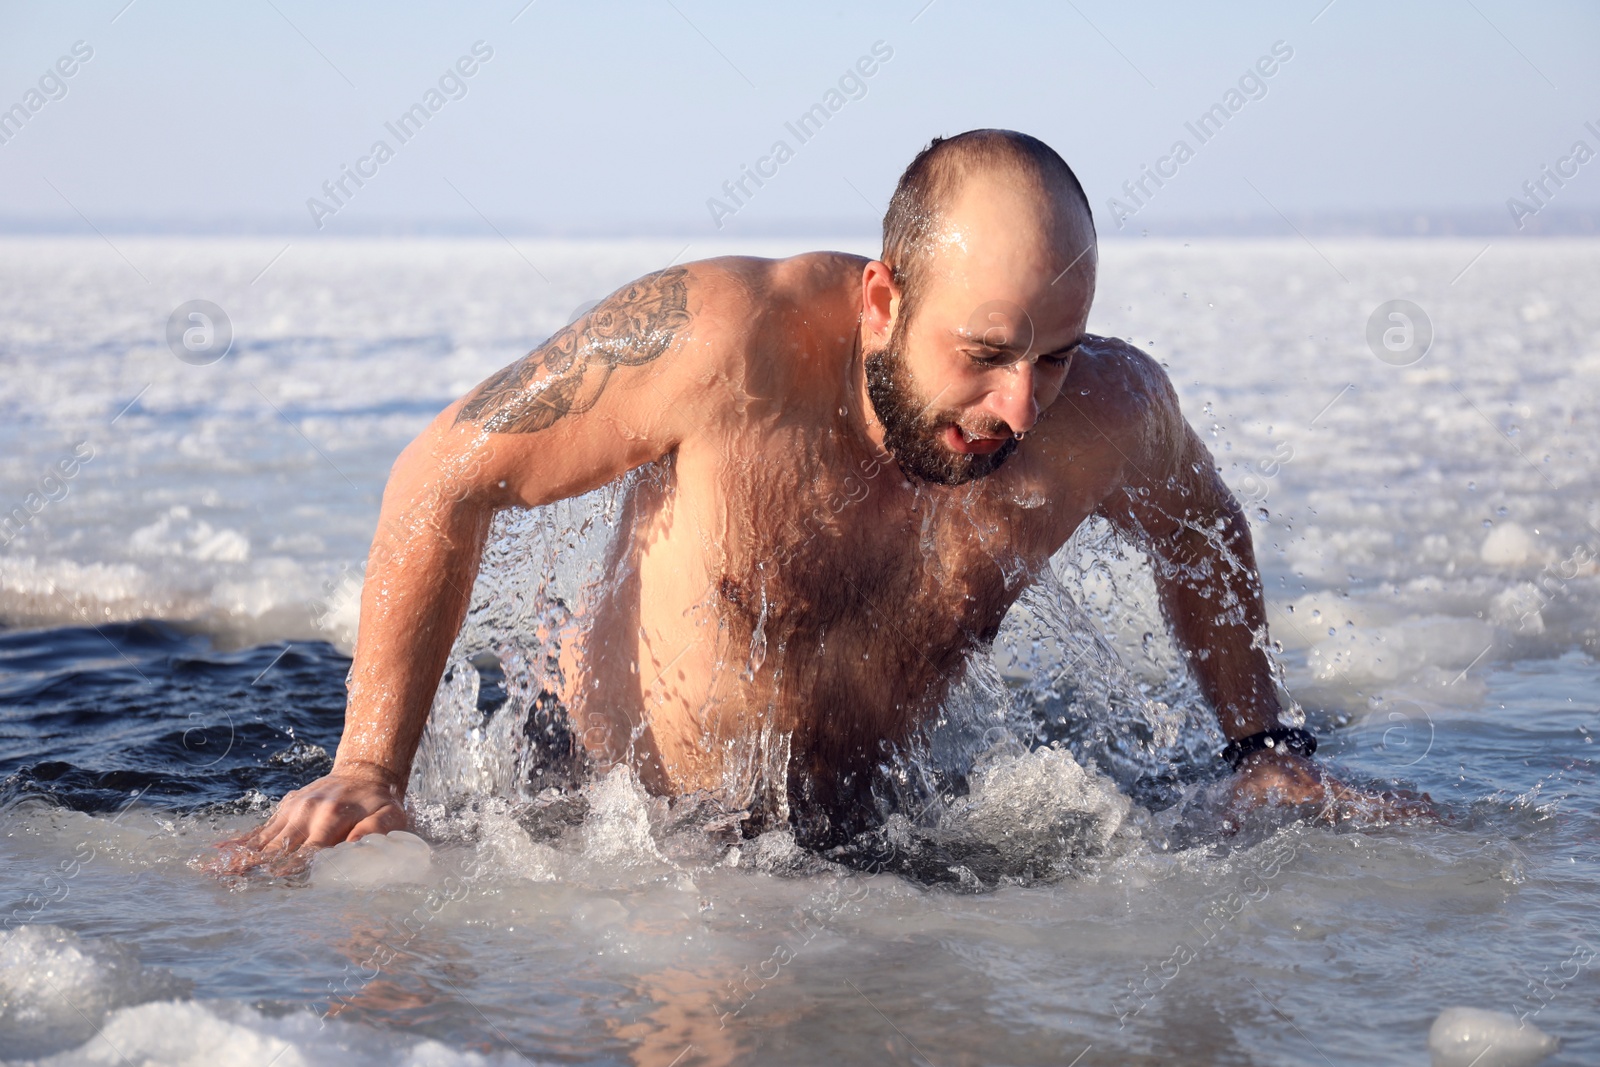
{"type": "Point", "coordinates": [1300, 742]}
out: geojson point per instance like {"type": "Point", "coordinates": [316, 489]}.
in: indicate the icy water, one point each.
{"type": "Point", "coordinates": [179, 606]}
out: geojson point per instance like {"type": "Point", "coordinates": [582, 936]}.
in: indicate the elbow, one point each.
{"type": "Point", "coordinates": [441, 471]}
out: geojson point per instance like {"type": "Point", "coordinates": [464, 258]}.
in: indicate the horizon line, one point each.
{"type": "Point", "coordinates": [1394, 222]}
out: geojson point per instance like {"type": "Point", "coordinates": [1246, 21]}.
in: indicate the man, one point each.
{"type": "Point", "coordinates": [757, 642]}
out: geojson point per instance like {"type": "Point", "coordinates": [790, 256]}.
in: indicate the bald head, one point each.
{"type": "Point", "coordinates": [1044, 194]}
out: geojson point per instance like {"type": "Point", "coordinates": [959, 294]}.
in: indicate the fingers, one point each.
{"type": "Point", "coordinates": [1406, 806]}
{"type": "Point", "coordinates": [380, 822]}
{"type": "Point", "coordinates": [248, 850]}
{"type": "Point", "coordinates": [330, 811]}
{"type": "Point", "coordinates": [284, 864]}
{"type": "Point", "coordinates": [280, 836]}
{"type": "Point", "coordinates": [268, 831]}
{"type": "Point", "coordinates": [281, 849]}
{"type": "Point", "coordinates": [253, 839]}
{"type": "Point", "coordinates": [244, 840]}
{"type": "Point", "coordinates": [1349, 804]}
{"type": "Point", "coordinates": [287, 830]}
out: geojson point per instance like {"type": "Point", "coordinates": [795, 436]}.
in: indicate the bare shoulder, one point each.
{"type": "Point", "coordinates": [1120, 394]}
{"type": "Point", "coordinates": [660, 354]}
{"type": "Point", "coordinates": [1117, 418]}
{"type": "Point", "coordinates": [1117, 372]}
{"type": "Point", "coordinates": [742, 293]}
{"type": "Point", "coordinates": [679, 310]}
{"type": "Point", "coordinates": [751, 283]}
{"type": "Point", "coordinates": [735, 301]}
{"type": "Point", "coordinates": [788, 335]}
{"type": "Point", "coordinates": [813, 274]}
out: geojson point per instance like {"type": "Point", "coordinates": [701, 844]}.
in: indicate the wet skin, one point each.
{"type": "Point", "coordinates": [790, 603]}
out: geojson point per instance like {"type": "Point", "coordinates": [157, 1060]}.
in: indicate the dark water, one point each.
{"type": "Point", "coordinates": [92, 717]}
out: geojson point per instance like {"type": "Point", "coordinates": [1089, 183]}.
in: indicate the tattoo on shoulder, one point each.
{"type": "Point", "coordinates": [567, 374]}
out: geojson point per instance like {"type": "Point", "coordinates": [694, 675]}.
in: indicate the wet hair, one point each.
{"type": "Point", "coordinates": [937, 174]}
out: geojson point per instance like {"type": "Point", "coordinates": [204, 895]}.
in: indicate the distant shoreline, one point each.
{"type": "Point", "coordinates": [1419, 223]}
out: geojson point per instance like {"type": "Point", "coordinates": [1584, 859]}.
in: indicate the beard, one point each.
{"type": "Point", "coordinates": [913, 434]}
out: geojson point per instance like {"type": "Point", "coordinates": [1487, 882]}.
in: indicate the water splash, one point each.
{"type": "Point", "coordinates": [1045, 753]}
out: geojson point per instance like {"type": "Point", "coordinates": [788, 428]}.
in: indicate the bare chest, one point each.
{"type": "Point", "coordinates": [837, 557]}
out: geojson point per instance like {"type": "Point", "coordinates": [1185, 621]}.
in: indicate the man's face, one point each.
{"type": "Point", "coordinates": [982, 355]}
{"type": "Point", "coordinates": [917, 432]}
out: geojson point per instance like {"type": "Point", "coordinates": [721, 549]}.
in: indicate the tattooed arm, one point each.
{"type": "Point", "coordinates": [618, 388]}
{"type": "Point", "coordinates": [568, 374]}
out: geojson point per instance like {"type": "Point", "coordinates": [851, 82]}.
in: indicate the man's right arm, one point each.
{"type": "Point", "coordinates": [616, 389]}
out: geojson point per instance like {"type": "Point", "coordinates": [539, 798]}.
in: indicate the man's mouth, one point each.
{"type": "Point", "coordinates": [958, 439]}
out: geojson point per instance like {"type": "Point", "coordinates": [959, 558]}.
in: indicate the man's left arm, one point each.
{"type": "Point", "coordinates": [1173, 501]}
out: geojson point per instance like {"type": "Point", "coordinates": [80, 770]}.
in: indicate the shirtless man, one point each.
{"type": "Point", "coordinates": [859, 465]}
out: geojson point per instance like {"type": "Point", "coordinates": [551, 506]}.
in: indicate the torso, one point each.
{"type": "Point", "coordinates": [791, 607]}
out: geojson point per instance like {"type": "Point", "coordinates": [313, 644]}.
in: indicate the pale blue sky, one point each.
{"type": "Point", "coordinates": [621, 117]}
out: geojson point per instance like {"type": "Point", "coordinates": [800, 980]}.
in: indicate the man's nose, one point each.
{"type": "Point", "coordinates": [1016, 399]}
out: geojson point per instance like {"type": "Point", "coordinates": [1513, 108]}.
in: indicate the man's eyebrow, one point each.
{"type": "Point", "coordinates": [1066, 347]}
{"type": "Point", "coordinates": [978, 339]}
{"type": "Point", "coordinates": [1011, 349]}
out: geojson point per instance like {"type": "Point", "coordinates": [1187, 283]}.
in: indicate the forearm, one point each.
{"type": "Point", "coordinates": [1211, 594]}
{"type": "Point", "coordinates": [419, 579]}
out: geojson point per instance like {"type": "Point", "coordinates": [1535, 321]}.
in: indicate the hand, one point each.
{"type": "Point", "coordinates": [345, 805]}
{"type": "Point", "coordinates": [1281, 777]}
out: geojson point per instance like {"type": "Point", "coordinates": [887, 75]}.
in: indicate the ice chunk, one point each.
{"type": "Point", "coordinates": [377, 859]}
{"type": "Point", "coordinates": [56, 988]}
{"type": "Point", "coordinates": [1437, 645]}
{"type": "Point", "coordinates": [1509, 545]}
{"type": "Point", "coordinates": [1518, 607]}
{"type": "Point", "coordinates": [597, 913]}
{"type": "Point", "coordinates": [190, 1034]}
{"type": "Point", "coordinates": [199, 540]}
{"type": "Point", "coordinates": [1475, 1037]}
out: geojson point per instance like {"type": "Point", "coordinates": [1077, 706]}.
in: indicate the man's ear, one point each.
{"type": "Point", "coordinates": [880, 302]}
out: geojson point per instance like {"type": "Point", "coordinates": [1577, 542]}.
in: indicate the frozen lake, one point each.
{"type": "Point", "coordinates": [178, 608]}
